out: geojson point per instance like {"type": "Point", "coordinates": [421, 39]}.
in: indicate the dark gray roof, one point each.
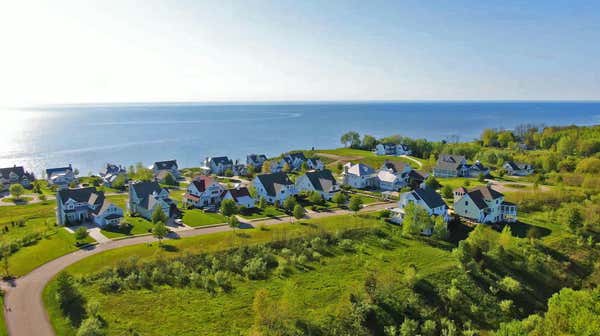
{"type": "Point", "coordinates": [449, 162]}
{"type": "Point", "coordinates": [51, 171]}
{"type": "Point", "coordinates": [110, 168]}
{"type": "Point", "coordinates": [88, 195]}
{"type": "Point", "coordinates": [145, 188]}
{"type": "Point", "coordinates": [257, 158]}
{"type": "Point", "coordinates": [17, 170]}
{"type": "Point", "coordinates": [222, 160]}
{"type": "Point", "coordinates": [429, 196]}
{"type": "Point", "coordinates": [160, 165]}
{"type": "Point", "coordinates": [395, 166]}
{"type": "Point", "coordinates": [237, 192]}
{"type": "Point", "coordinates": [321, 180]}
{"type": "Point", "coordinates": [481, 194]}
{"type": "Point", "coordinates": [417, 175]}
{"type": "Point", "coordinates": [270, 182]}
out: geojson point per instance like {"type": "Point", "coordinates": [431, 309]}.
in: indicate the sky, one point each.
{"type": "Point", "coordinates": [57, 51]}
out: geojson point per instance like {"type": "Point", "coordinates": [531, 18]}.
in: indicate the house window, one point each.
{"type": "Point", "coordinates": [466, 203]}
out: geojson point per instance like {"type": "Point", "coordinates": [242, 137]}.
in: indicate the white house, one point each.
{"type": "Point", "coordinates": [274, 187]}
{"type": "Point", "coordinates": [321, 181]}
{"type": "Point", "coordinates": [144, 197]}
{"type": "Point", "coordinates": [456, 166]}
{"type": "Point", "coordinates": [15, 174]}
{"type": "Point", "coordinates": [295, 161]}
{"type": "Point", "coordinates": [359, 176]}
{"type": "Point", "coordinates": [60, 177]}
{"type": "Point", "coordinates": [218, 165]}
{"type": "Point", "coordinates": [86, 204]}
{"type": "Point", "coordinates": [110, 172]}
{"type": "Point", "coordinates": [484, 205]}
{"type": "Point", "coordinates": [240, 195]}
{"type": "Point", "coordinates": [426, 198]}
{"type": "Point", "coordinates": [203, 192]}
{"type": "Point", "coordinates": [393, 175]}
{"type": "Point", "coordinates": [518, 169]}
{"type": "Point", "coordinates": [256, 160]}
{"type": "Point", "coordinates": [166, 166]}
{"type": "Point", "coordinates": [315, 164]}
{"type": "Point", "coordinates": [392, 149]}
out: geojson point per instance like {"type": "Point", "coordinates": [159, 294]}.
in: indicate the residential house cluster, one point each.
{"type": "Point", "coordinates": [457, 166]}
{"type": "Point", "coordinates": [15, 175]}
{"type": "Point", "coordinates": [110, 172]}
{"type": "Point", "coordinates": [389, 148]}
{"type": "Point", "coordinates": [391, 176]}
{"type": "Point", "coordinates": [61, 177]}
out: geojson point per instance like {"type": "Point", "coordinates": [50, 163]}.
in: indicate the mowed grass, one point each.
{"type": "Point", "coordinates": [3, 331]}
{"type": "Point", "coordinates": [312, 293]}
{"type": "Point", "coordinates": [256, 213]}
{"type": "Point", "coordinates": [58, 243]}
{"type": "Point", "coordinates": [363, 156]}
{"type": "Point", "coordinates": [137, 225]}
{"type": "Point", "coordinates": [457, 182]}
{"type": "Point", "coordinates": [197, 217]}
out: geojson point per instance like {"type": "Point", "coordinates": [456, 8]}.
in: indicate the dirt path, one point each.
{"type": "Point", "coordinates": [417, 162]}
{"type": "Point", "coordinates": [505, 186]}
{"type": "Point", "coordinates": [24, 309]}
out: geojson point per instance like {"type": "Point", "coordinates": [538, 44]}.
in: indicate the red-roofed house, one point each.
{"type": "Point", "coordinates": [202, 192]}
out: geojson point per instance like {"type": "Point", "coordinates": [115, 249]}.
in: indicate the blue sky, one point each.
{"type": "Point", "coordinates": [120, 51]}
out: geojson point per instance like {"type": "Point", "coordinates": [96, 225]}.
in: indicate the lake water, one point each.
{"type": "Point", "coordinates": [90, 135]}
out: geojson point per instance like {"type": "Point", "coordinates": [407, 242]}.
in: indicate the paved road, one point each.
{"type": "Point", "coordinates": [24, 310]}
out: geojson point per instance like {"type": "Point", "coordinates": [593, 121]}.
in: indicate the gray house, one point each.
{"type": "Point", "coordinates": [144, 197]}
{"type": "Point", "coordinates": [86, 205]}
{"type": "Point", "coordinates": [161, 167]}
{"type": "Point", "coordinates": [15, 174]}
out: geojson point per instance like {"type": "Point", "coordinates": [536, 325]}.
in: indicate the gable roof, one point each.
{"type": "Point", "coordinates": [386, 176]}
{"type": "Point", "coordinates": [394, 166]}
{"type": "Point", "coordinates": [82, 195]}
{"type": "Point", "coordinates": [321, 180]}
{"type": "Point", "coordinates": [360, 169]}
{"type": "Point", "coordinates": [481, 194]}
{"type": "Point", "coordinates": [17, 170]}
{"type": "Point", "coordinates": [111, 168]}
{"type": "Point", "coordinates": [201, 182]}
{"type": "Point", "coordinates": [450, 162]}
{"type": "Point", "coordinates": [417, 175]}
{"type": "Point", "coordinates": [429, 196]}
{"type": "Point", "coordinates": [220, 160]}
{"type": "Point", "coordinates": [274, 182]}
{"type": "Point", "coordinates": [237, 193]}
{"type": "Point", "coordinates": [145, 188]}
{"type": "Point", "coordinates": [51, 171]}
{"type": "Point", "coordinates": [170, 164]}
{"type": "Point", "coordinates": [517, 165]}
{"type": "Point", "coordinates": [256, 158]}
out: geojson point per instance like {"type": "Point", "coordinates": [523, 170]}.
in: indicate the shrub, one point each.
{"type": "Point", "coordinates": [256, 268]}
{"type": "Point", "coordinates": [346, 245]}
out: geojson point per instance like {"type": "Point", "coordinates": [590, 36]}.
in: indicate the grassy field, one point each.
{"type": "Point", "coordinates": [137, 225]}
{"type": "Point", "coordinates": [3, 331]}
{"type": "Point", "coordinates": [269, 211]}
{"type": "Point", "coordinates": [21, 200]}
{"type": "Point", "coordinates": [315, 290]}
{"type": "Point", "coordinates": [363, 156]}
{"type": "Point", "coordinates": [197, 217]}
{"type": "Point", "coordinates": [456, 182]}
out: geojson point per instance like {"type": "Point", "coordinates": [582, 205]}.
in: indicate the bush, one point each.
{"type": "Point", "coordinates": [346, 245]}
{"type": "Point", "coordinates": [256, 269]}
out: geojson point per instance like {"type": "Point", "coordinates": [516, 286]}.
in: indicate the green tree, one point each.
{"type": "Point", "coordinates": [574, 218]}
{"type": "Point", "coordinates": [286, 168]}
{"type": "Point", "coordinates": [440, 229]}
{"type": "Point", "coordinates": [566, 145]}
{"type": "Point", "coordinates": [92, 326]}
{"type": "Point", "coordinates": [262, 203]}
{"type": "Point", "coordinates": [416, 219]}
{"type": "Point", "coordinates": [351, 138]}
{"type": "Point", "coordinates": [266, 167]}
{"type": "Point", "coordinates": [158, 215]}
{"type": "Point", "coordinates": [489, 137]}
{"type": "Point", "coordinates": [250, 170]}
{"type": "Point", "coordinates": [81, 233]}
{"type": "Point", "coordinates": [119, 182]}
{"type": "Point", "coordinates": [69, 299]}
{"type": "Point", "coordinates": [143, 174]}
{"type": "Point", "coordinates": [16, 191]}
{"type": "Point", "coordinates": [228, 172]}
{"type": "Point", "coordinates": [289, 204]}
{"type": "Point", "coordinates": [432, 183]}
{"type": "Point", "coordinates": [369, 142]}
{"type": "Point", "coordinates": [170, 180]}
{"type": "Point", "coordinates": [409, 327]}
{"type": "Point", "coordinates": [304, 166]}
{"type": "Point", "coordinates": [298, 212]}
{"type": "Point", "coordinates": [339, 198]}
{"type": "Point", "coordinates": [510, 285]}
{"type": "Point", "coordinates": [447, 191]}
{"type": "Point", "coordinates": [505, 138]}
{"type": "Point", "coordinates": [160, 231]}
{"type": "Point", "coordinates": [228, 208]}
{"type": "Point", "coordinates": [355, 204]}
{"type": "Point", "coordinates": [233, 222]}
{"type": "Point", "coordinates": [315, 198]}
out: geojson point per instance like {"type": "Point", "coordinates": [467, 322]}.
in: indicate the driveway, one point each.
{"type": "Point", "coordinates": [23, 307]}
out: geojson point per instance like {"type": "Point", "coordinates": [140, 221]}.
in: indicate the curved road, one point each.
{"type": "Point", "coordinates": [23, 306]}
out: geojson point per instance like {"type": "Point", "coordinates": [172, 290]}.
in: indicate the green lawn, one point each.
{"type": "Point", "coordinates": [363, 156]}
{"type": "Point", "coordinates": [3, 331]}
{"type": "Point", "coordinates": [137, 225]}
{"type": "Point", "coordinates": [20, 201]}
{"type": "Point", "coordinates": [314, 291]}
{"type": "Point", "coordinates": [456, 182]}
{"type": "Point", "coordinates": [197, 217]}
{"type": "Point", "coordinates": [58, 243]}
{"type": "Point", "coordinates": [269, 211]}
